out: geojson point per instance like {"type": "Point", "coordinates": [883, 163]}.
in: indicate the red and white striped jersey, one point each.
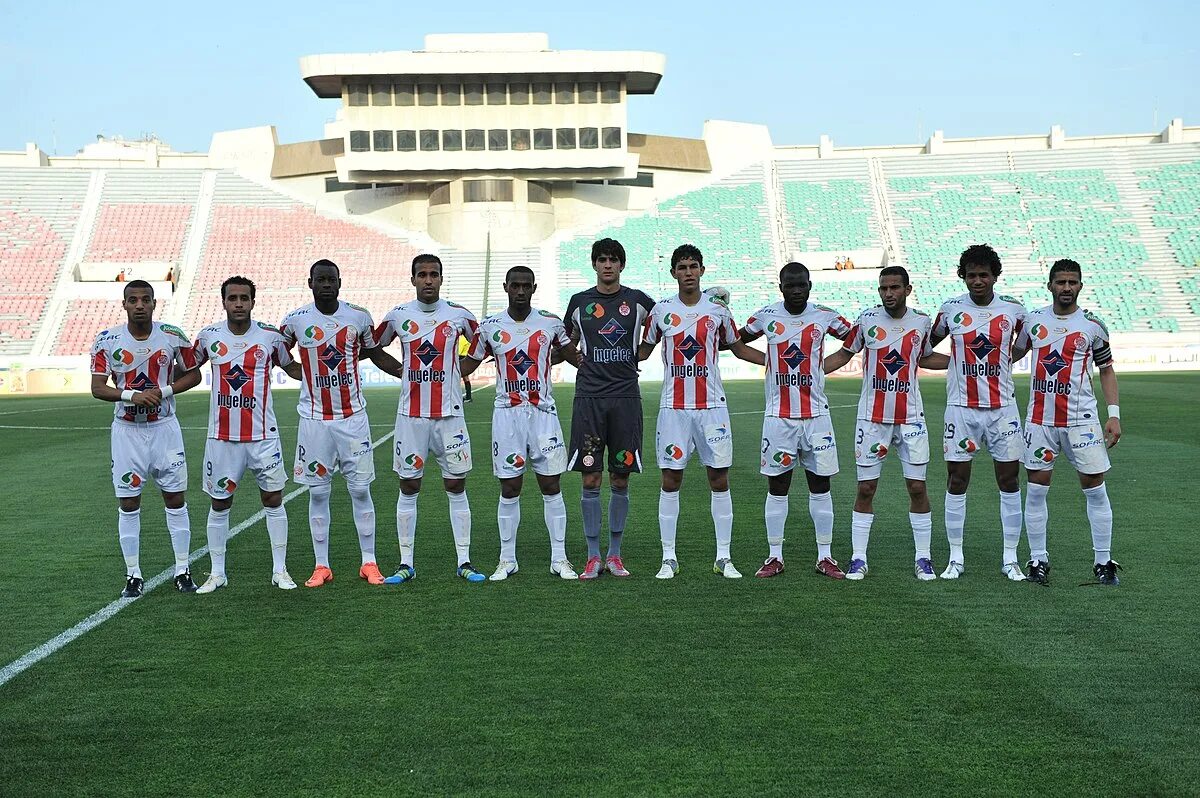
{"type": "Point", "coordinates": [240, 408]}
{"type": "Point", "coordinates": [795, 351]}
{"type": "Point", "coordinates": [980, 373]}
{"type": "Point", "coordinates": [329, 348]}
{"type": "Point", "coordinates": [522, 350]}
{"type": "Point", "coordinates": [692, 337]}
{"type": "Point", "coordinates": [432, 382]}
{"type": "Point", "coordinates": [1063, 349]}
{"type": "Point", "coordinates": [141, 365]}
{"type": "Point", "coordinates": [891, 348]}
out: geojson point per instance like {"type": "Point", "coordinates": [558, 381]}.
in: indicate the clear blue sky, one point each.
{"type": "Point", "coordinates": [865, 73]}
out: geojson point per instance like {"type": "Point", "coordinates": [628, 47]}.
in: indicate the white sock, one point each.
{"type": "Point", "coordinates": [318, 521]}
{"type": "Point", "coordinates": [1036, 517]}
{"type": "Point", "coordinates": [406, 526]}
{"type": "Point", "coordinates": [554, 511]}
{"type": "Point", "coordinates": [820, 509]}
{"type": "Point", "coordinates": [218, 534]}
{"type": "Point", "coordinates": [1099, 513]}
{"type": "Point", "coordinates": [956, 517]}
{"type": "Point", "coordinates": [860, 533]}
{"type": "Point", "coordinates": [364, 519]}
{"type": "Point", "coordinates": [508, 518]}
{"type": "Point", "coordinates": [721, 506]}
{"type": "Point", "coordinates": [668, 519]}
{"type": "Point", "coordinates": [180, 527]}
{"type": "Point", "coordinates": [1010, 522]}
{"type": "Point", "coordinates": [776, 513]}
{"type": "Point", "coordinates": [129, 535]}
{"type": "Point", "coordinates": [922, 527]}
{"type": "Point", "coordinates": [277, 531]}
{"type": "Point", "coordinates": [460, 523]}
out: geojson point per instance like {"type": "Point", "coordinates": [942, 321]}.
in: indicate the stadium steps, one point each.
{"type": "Point", "coordinates": [827, 205]}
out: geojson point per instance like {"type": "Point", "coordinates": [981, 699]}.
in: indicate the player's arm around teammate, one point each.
{"type": "Point", "coordinates": [526, 432]}
{"type": "Point", "coordinates": [242, 431]}
{"type": "Point", "coordinates": [1062, 418]}
{"type": "Point", "coordinates": [138, 358]}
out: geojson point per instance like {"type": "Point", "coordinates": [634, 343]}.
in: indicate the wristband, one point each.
{"type": "Point", "coordinates": [168, 392]}
{"type": "Point", "coordinates": [127, 395]}
{"type": "Point", "coordinates": [1114, 411]}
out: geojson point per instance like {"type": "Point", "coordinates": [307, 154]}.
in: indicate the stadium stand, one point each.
{"type": "Point", "coordinates": [39, 209]}
{"type": "Point", "coordinates": [86, 317]}
{"type": "Point", "coordinates": [144, 215]}
{"type": "Point", "coordinates": [827, 205]}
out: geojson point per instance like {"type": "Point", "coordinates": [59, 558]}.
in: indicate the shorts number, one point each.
{"type": "Point", "coordinates": [949, 430]}
{"type": "Point", "coordinates": [1028, 439]}
{"type": "Point", "coordinates": [495, 449]}
{"type": "Point", "coordinates": [859, 439]}
{"type": "Point", "coordinates": [208, 467]}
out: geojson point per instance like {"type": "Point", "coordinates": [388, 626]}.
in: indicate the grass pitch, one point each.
{"type": "Point", "coordinates": [695, 686]}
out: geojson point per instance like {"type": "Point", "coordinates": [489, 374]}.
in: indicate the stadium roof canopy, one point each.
{"type": "Point", "coordinates": [484, 54]}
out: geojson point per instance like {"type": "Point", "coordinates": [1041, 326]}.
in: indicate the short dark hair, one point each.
{"type": "Point", "coordinates": [685, 251]}
{"type": "Point", "coordinates": [894, 271]}
{"type": "Point", "coordinates": [324, 262]}
{"type": "Point", "coordinates": [137, 284]}
{"type": "Point", "coordinates": [978, 255]}
{"type": "Point", "coordinates": [426, 257]}
{"type": "Point", "coordinates": [519, 270]}
{"type": "Point", "coordinates": [608, 246]}
{"type": "Point", "coordinates": [1065, 265]}
{"type": "Point", "coordinates": [792, 268]}
{"type": "Point", "coordinates": [237, 279]}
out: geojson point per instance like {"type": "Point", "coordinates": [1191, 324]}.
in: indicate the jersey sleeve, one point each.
{"type": "Point", "coordinates": [289, 334]}
{"type": "Point", "coordinates": [200, 350]}
{"type": "Point", "coordinates": [755, 324]}
{"type": "Point", "coordinates": [645, 301]}
{"type": "Point", "coordinates": [727, 333]}
{"type": "Point", "coordinates": [855, 340]}
{"type": "Point", "coordinates": [559, 335]}
{"type": "Point", "coordinates": [281, 354]}
{"type": "Point", "coordinates": [385, 333]}
{"type": "Point", "coordinates": [650, 332]}
{"type": "Point", "coordinates": [470, 325]}
{"type": "Point", "coordinates": [940, 328]}
{"type": "Point", "coordinates": [366, 332]}
{"type": "Point", "coordinates": [838, 326]}
{"type": "Point", "coordinates": [1100, 343]}
{"type": "Point", "coordinates": [926, 338]}
{"type": "Point", "coordinates": [480, 346]}
{"type": "Point", "coordinates": [99, 356]}
{"type": "Point", "coordinates": [569, 316]}
{"type": "Point", "coordinates": [185, 353]}
{"type": "Point", "coordinates": [1023, 340]}
{"type": "Point", "coordinates": [1019, 316]}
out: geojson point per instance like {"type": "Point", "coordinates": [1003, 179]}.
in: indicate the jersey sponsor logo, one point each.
{"type": "Point", "coordinates": [776, 328]}
{"type": "Point", "coordinates": [515, 460]}
{"type": "Point", "coordinates": [612, 332]}
{"type": "Point", "coordinates": [547, 314]}
{"type": "Point", "coordinates": [595, 310]}
{"type": "Point", "coordinates": [315, 333]}
{"type": "Point", "coordinates": [673, 451]}
{"type": "Point", "coordinates": [235, 378]}
{"type": "Point", "coordinates": [331, 358]}
{"type": "Point", "coordinates": [623, 457]}
{"type": "Point", "coordinates": [672, 320]}
{"type": "Point", "coordinates": [550, 444]}
{"type": "Point", "coordinates": [968, 445]}
{"type": "Point", "coordinates": [427, 352]}
{"type": "Point", "coordinates": [457, 441]}
{"type": "Point", "coordinates": [501, 337]}
{"type": "Point", "coordinates": [717, 433]}
{"type": "Point", "coordinates": [521, 361]}
{"type": "Point", "coordinates": [1014, 427]}
{"type": "Point", "coordinates": [226, 484]}
{"type": "Point", "coordinates": [219, 349]}
{"type": "Point", "coordinates": [142, 383]}
{"type": "Point", "coordinates": [878, 333]}
{"type": "Point", "coordinates": [522, 386]}
{"type": "Point", "coordinates": [1043, 454]}
{"type": "Point", "coordinates": [123, 356]}
{"type": "Point", "coordinates": [783, 458]}
{"type": "Point", "coordinates": [918, 429]}
{"type": "Point", "coordinates": [689, 347]}
{"type": "Point", "coordinates": [826, 444]}
{"type": "Point", "coordinates": [364, 447]}
{"type": "Point", "coordinates": [893, 361]}
{"type": "Point", "coordinates": [981, 347]}
{"type": "Point", "coordinates": [236, 401]}
{"type": "Point", "coordinates": [1086, 440]}
{"type": "Point", "coordinates": [1052, 362]}
{"type": "Point", "coordinates": [132, 479]}
{"type": "Point", "coordinates": [409, 326]}
{"type": "Point", "coordinates": [793, 356]}
{"type": "Point", "coordinates": [415, 461]}
{"type": "Point", "coordinates": [318, 469]}
{"type": "Point", "coordinates": [878, 451]}
{"type": "Point", "coordinates": [1051, 387]}
{"type": "Point", "coordinates": [963, 319]}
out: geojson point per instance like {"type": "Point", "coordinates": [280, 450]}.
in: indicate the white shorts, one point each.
{"type": "Point", "coordinates": [968, 429]}
{"type": "Point", "coordinates": [343, 443]}
{"type": "Point", "coordinates": [1084, 447]}
{"type": "Point", "coordinates": [809, 441]}
{"type": "Point", "coordinates": [525, 435]}
{"type": "Point", "coordinates": [681, 432]}
{"type": "Point", "coordinates": [152, 450]}
{"type": "Point", "coordinates": [873, 443]}
{"type": "Point", "coordinates": [226, 461]}
{"type": "Point", "coordinates": [446, 438]}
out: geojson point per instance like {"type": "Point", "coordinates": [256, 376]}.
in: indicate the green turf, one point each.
{"type": "Point", "coordinates": [696, 686]}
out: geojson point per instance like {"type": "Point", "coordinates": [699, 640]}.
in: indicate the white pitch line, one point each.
{"type": "Point", "coordinates": [45, 409]}
{"type": "Point", "coordinates": [24, 663]}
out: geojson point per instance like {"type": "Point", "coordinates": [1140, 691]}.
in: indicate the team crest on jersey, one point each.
{"type": "Point", "coordinates": [258, 353]}
{"type": "Point", "coordinates": [595, 310]}
{"type": "Point", "coordinates": [1004, 323]}
{"type": "Point", "coordinates": [624, 309]}
{"type": "Point", "coordinates": [1052, 362]}
{"type": "Point", "coordinates": [814, 333]}
{"type": "Point", "coordinates": [793, 356]}
{"type": "Point", "coordinates": [539, 338]}
{"type": "Point", "coordinates": [123, 356]}
{"type": "Point", "coordinates": [981, 347]}
{"type": "Point", "coordinates": [501, 337]}
{"type": "Point", "coordinates": [521, 361]}
{"type": "Point", "coordinates": [331, 358]}
{"type": "Point", "coordinates": [1078, 340]}
{"type": "Point", "coordinates": [315, 333]}
{"type": "Point", "coordinates": [163, 359]}
{"type": "Point", "coordinates": [689, 347]}
{"type": "Point", "coordinates": [236, 378]}
{"type": "Point", "coordinates": [893, 361]}
{"type": "Point", "coordinates": [409, 326]}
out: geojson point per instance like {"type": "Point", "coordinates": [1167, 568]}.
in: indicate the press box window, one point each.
{"type": "Point", "coordinates": [473, 93]}
{"type": "Point", "coordinates": [360, 141]}
{"type": "Point", "coordinates": [564, 93]}
{"type": "Point", "coordinates": [589, 138]}
{"type": "Point", "coordinates": [475, 140]}
{"type": "Point", "coordinates": [588, 92]}
{"type": "Point", "coordinates": [381, 94]}
{"type": "Point", "coordinates": [518, 94]}
{"type": "Point", "coordinates": [520, 139]}
{"type": "Point", "coordinates": [539, 192]}
{"type": "Point", "coordinates": [564, 138]}
{"type": "Point", "coordinates": [497, 139]}
{"type": "Point", "coordinates": [451, 94]}
{"type": "Point", "coordinates": [356, 94]}
{"type": "Point", "coordinates": [452, 140]}
{"type": "Point", "coordinates": [403, 93]}
{"type": "Point", "coordinates": [542, 93]}
{"type": "Point", "coordinates": [406, 140]}
{"type": "Point", "coordinates": [381, 140]}
{"type": "Point", "coordinates": [487, 191]}
{"type": "Point", "coordinates": [610, 92]}
{"type": "Point", "coordinates": [429, 139]}
{"type": "Point", "coordinates": [610, 138]}
{"type": "Point", "coordinates": [497, 94]}
{"type": "Point", "coordinates": [427, 94]}
{"type": "Point", "coordinates": [543, 138]}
